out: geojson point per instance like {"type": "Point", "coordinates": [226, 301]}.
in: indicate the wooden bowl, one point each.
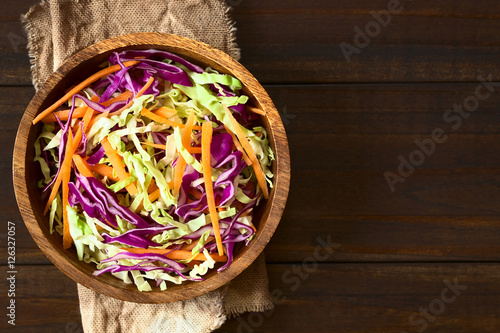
{"type": "Point", "coordinates": [27, 173]}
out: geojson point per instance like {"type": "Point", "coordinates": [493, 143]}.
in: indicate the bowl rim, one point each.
{"type": "Point", "coordinates": [277, 197]}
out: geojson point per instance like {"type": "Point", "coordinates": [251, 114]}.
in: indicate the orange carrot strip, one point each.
{"type": "Point", "coordinates": [188, 130]}
{"type": "Point", "coordinates": [64, 114]}
{"type": "Point", "coordinates": [255, 110]}
{"type": "Point", "coordinates": [164, 112]}
{"type": "Point", "coordinates": [194, 150]}
{"type": "Point", "coordinates": [93, 78]}
{"type": "Point", "coordinates": [152, 186]}
{"type": "Point", "coordinates": [88, 121]}
{"type": "Point", "coordinates": [53, 193]}
{"type": "Point", "coordinates": [139, 94]}
{"type": "Point", "coordinates": [261, 178]}
{"type": "Point", "coordinates": [154, 145]}
{"type": "Point", "coordinates": [154, 195]}
{"type": "Point", "coordinates": [88, 114]}
{"type": "Point", "coordinates": [195, 193]}
{"type": "Point", "coordinates": [238, 146]}
{"type": "Point", "coordinates": [123, 97]}
{"type": "Point", "coordinates": [118, 165]}
{"type": "Point", "coordinates": [96, 118]}
{"type": "Point", "coordinates": [65, 191]}
{"type": "Point", "coordinates": [206, 140]}
{"type": "Point", "coordinates": [72, 145]}
{"type": "Point", "coordinates": [57, 183]}
{"type": "Point", "coordinates": [177, 254]}
{"type": "Point", "coordinates": [159, 119]}
{"type": "Point", "coordinates": [82, 166]}
{"type": "Point", "coordinates": [87, 118]}
{"type": "Point", "coordinates": [180, 167]}
{"type": "Point", "coordinates": [104, 170]}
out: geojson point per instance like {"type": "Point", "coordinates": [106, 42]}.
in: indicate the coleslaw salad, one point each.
{"type": "Point", "coordinates": [152, 168]}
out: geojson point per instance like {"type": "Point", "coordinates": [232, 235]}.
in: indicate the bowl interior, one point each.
{"type": "Point", "coordinates": [27, 172]}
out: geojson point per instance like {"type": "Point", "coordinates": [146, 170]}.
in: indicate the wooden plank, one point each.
{"type": "Point", "coordinates": [385, 238]}
{"type": "Point", "coordinates": [300, 42]}
{"type": "Point", "coordinates": [12, 10]}
{"type": "Point", "coordinates": [15, 69]}
{"type": "Point", "coordinates": [390, 109]}
{"type": "Point", "coordinates": [326, 298]}
{"type": "Point", "coordinates": [13, 102]}
{"type": "Point", "coordinates": [297, 42]}
{"type": "Point", "coordinates": [45, 299]}
{"type": "Point", "coordinates": [379, 298]}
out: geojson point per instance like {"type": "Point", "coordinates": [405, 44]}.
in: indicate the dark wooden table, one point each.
{"type": "Point", "coordinates": [422, 254]}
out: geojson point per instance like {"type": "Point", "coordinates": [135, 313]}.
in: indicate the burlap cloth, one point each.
{"type": "Point", "coordinates": [59, 28]}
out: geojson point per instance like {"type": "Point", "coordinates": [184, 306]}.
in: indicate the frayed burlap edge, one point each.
{"type": "Point", "coordinates": [32, 45]}
{"type": "Point", "coordinates": [233, 46]}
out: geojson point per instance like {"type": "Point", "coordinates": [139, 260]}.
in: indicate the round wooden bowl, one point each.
{"type": "Point", "coordinates": [26, 173]}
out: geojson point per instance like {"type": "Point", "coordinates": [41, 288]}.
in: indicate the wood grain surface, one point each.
{"type": "Point", "coordinates": [347, 123]}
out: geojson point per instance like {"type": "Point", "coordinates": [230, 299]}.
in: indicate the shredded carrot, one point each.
{"type": "Point", "coordinates": [255, 110]}
{"type": "Point", "coordinates": [177, 254]}
{"type": "Point", "coordinates": [123, 97]}
{"type": "Point", "coordinates": [118, 165]}
{"type": "Point", "coordinates": [104, 170]}
{"type": "Point", "coordinates": [188, 130]}
{"type": "Point", "coordinates": [89, 113]}
{"type": "Point", "coordinates": [82, 166]}
{"type": "Point", "coordinates": [154, 195]}
{"type": "Point", "coordinates": [57, 183]}
{"type": "Point", "coordinates": [194, 150]}
{"type": "Point", "coordinates": [66, 173]}
{"type": "Point", "coordinates": [261, 178]}
{"type": "Point", "coordinates": [84, 111]}
{"type": "Point", "coordinates": [53, 193]}
{"type": "Point", "coordinates": [206, 140]}
{"type": "Point", "coordinates": [180, 167]}
{"type": "Point", "coordinates": [152, 186]}
{"type": "Point", "coordinates": [195, 193]}
{"type": "Point", "coordinates": [93, 78]}
{"type": "Point", "coordinates": [170, 184]}
{"type": "Point", "coordinates": [162, 120]}
{"type": "Point", "coordinates": [154, 145]}
{"type": "Point", "coordinates": [139, 94]}
{"type": "Point", "coordinates": [87, 118]}
{"type": "Point", "coordinates": [96, 118]}
{"type": "Point", "coordinates": [64, 114]}
{"type": "Point", "coordinates": [164, 112]}
{"type": "Point", "coordinates": [238, 146]}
